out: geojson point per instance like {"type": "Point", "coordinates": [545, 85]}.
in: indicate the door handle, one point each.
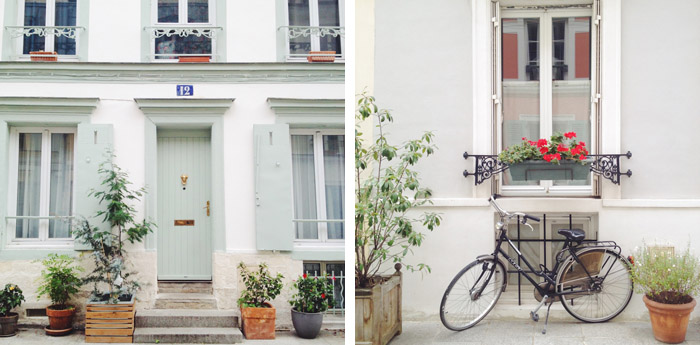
{"type": "Point", "coordinates": [207, 207]}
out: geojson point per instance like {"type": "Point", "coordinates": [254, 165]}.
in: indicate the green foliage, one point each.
{"type": "Point", "coordinates": [313, 294]}
{"type": "Point", "coordinates": [260, 286]}
{"type": "Point", "coordinates": [10, 297]}
{"type": "Point", "coordinates": [108, 244]}
{"type": "Point", "coordinates": [386, 189]}
{"type": "Point", "coordinates": [59, 279]}
{"type": "Point", "coordinates": [559, 147]}
{"type": "Point", "coordinates": [664, 277]}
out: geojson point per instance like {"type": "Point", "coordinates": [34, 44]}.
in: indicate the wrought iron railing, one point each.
{"type": "Point", "coordinates": [338, 292]}
{"type": "Point", "coordinates": [42, 31]}
{"type": "Point", "coordinates": [295, 31]}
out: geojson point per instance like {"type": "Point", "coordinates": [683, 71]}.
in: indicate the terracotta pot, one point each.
{"type": "Point", "coordinates": [258, 323]}
{"type": "Point", "coordinates": [325, 56]}
{"type": "Point", "coordinates": [8, 325]}
{"type": "Point", "coordinates": [43, 56]}
{"type": "Point", "coordinates": [669, 321]}
{"type": "Point", "coordinates": [194, 58]}
{"type": "Point", "coordinates": [60, 319]}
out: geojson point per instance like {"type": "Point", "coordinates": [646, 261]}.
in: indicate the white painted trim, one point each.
{"type": "Point", "coordinates": [652, 203]}
{"type": "Point", "coordinates": [481, 80]}
{"type": "Point", "coordinates": [457, 202]}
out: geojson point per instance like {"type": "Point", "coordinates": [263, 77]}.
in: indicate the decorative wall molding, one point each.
{"type": "Point", "coordinates": [17, 106]}
{"type": "Point", "coordinates": [187, 107]}
{"type": "Point", "coordinates": [299, 112]}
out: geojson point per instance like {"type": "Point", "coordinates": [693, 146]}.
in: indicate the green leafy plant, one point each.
{"type": "Point", "coordinates": [10, 297]}
{"type": "Point", "coordinates": [59, 280]}
{"type": "Point", "coordinates": [260, 286]}
{"type": "Point", "coordinates": [387, 188]}
{"type": "Point", "coordinates": [313, 294]}
{"type": "Point", "coordinates": [559, 147]}
{"type": "Point", "coordinates": [665, 277]}
{"type": "Point", "coordinates": [110, 278]}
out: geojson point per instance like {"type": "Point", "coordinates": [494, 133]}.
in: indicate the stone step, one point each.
{"type": "Point", "coordinates": [333, 322]}
{"type": "Point", "coordinates": [185, 287]}
{"type": "Point", "coordinates": [188, 335]}
{"type": "Point", "coordinates": [186, 318]}
{"type": "Point", "coordinates": [185, 301]}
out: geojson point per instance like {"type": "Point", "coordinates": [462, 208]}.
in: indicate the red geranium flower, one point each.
{"type": "Point", "coordinates": [557, 156]}
{"type": "Point", "coordinates": [543, 150]}
{"type": "Point", "coordinates": [524, 138]}
{"type": "Point", "coordinates": [582, 157]}
{"type": "Point", "coordinates": [570, 135]}
{"type": "Point", "coordinates": [304, 275]}
{"type": "Point", "coordinates": [532, 143]}
{"type": "Point", "coordinates": [323, 295]}
{"type": "Point", "coordinates": [582, 143]}
{"type": "Point", "coordinates": [541, 142]}
{"type": "Point", "coordinates": [562, 148]}
{"type": "Point", "coordinates": [548, 158]}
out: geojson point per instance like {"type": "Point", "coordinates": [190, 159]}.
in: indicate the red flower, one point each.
{"type": "Point", "coordinates": [570, 135]}
{"type": "Point", "coordinates": [532, 143]}
{"type": "Point", "coordinates": [562, 148]}
{"type": "Point", "coordinates": [333, 278]}
{"type": "Point", "coordinates": [557, 156]}
{"type": "Point", "coordinates": [548, 158]}
{"type": "Point", "coordinates": [323, 295]}
{"type": "Point", "coordinates": [543, 150]}
{"type": "Point", "coordinates": [304, 275]}
{"type": "Point", "coordinates": [581, 157]}
{"type": "Point", "coordinates": [541, 142]}
{"type": "Point", "coordinates": [524, 138]}
{"type": "Point", "coordinates": [576, 150]}
{"type": "Point", "coordinates": [582, 143]}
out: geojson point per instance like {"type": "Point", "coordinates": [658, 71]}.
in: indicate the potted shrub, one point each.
{"type": "Point", "coordinates": [560, 158]}
{"type": "Point", "coordinates": [257, 314]}
{"type": "Point", "coordinates": [113, 291]}
{"type": "Point", "coordinates": [10, 297]}
{"type": "Point", "coordinates": [312, 297]}
{"type": "Point", "coordinates": [387, 189]}
{"type": "Point", "coordinates": [668, 281]}
{"type": "Point", "coordinates": [59, 280]}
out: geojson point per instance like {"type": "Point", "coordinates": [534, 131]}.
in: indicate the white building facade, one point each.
{"type": "Point", "coordinates": [242, 154]}
{"type": "Point", "coordinates": [482, 74]}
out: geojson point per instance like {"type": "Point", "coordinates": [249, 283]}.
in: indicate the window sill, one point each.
{"type": "Point", "coordinates": [321, 251]}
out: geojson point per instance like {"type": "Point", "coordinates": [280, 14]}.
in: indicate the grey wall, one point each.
{"type": "Point", "coordinates": [661, 98]}
{"type": "Point", "coordinates": [423, 73]}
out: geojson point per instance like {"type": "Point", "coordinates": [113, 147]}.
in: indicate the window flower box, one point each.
{"type": "Point", "coordinates": [194, 58]}
{"type": "Point", "coordinates": [43, 56]}
{"type": "Point", "coordinates": [321, 56]}
{"type": "Point", "coordinates": [534, 170]}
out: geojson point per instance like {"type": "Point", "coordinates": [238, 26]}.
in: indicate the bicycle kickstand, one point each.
{"type": "Point", "coordinates": [546, 319]}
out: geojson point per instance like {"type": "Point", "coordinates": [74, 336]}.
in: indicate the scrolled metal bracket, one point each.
{"type": "Point", "coordinates": [608, 166]}
{"type": "Point", "coordinates": [485, 167]}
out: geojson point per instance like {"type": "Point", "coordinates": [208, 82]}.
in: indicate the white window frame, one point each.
{"type": "Point", "coordinates": [43, 241]}
{"type": "Point", "coordinates": [314, 21]}
{"type": "Point", "coordinates": [49, 39]}
{"type": "Point", "coordinates": [545, 16]}
{"type": "Point", "coordinates": [182, 22]}
{"type": "Point", "coordinates": [320, 192]}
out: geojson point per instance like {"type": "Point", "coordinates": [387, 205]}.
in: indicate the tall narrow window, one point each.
{"type": "Point", "coordinates": [319, 23]}
{"type": "Point", "coordinates": [51, 26]}
{"type": "Point", "coordinates": [183, 27]}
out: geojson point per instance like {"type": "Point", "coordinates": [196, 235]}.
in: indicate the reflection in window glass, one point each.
{"type": "Point", "coordinates": [182, 45]}
{"type": "Point", "coordinates": [304, 185]}
{"type": "Point", "coordinates": [168, 11]}
{"type": "Point", "coordinates": [334, 173]}
{"type": "Point", "coordinates": [299, 15]}
{"type": "Point", "coordinates": [329, 15]}
{"type": "Point", "coordinates": [66, 11]}
{"type": "Point", "coordinates": [28, 185]}
{"type": "Point", "coordinates": [61, 196]}
{"type": "Point", "coordinates": [197, 11]}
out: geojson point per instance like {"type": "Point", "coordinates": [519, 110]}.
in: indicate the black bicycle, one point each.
{"type": "Point", "coordinates": [591, 279]}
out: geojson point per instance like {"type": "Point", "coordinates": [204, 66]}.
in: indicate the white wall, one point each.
{"type": "Point", "coordinates": [252, 31]}
{"type": "Point", "coordinates": [115, 31]}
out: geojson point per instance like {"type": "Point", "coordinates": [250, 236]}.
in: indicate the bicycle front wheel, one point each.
{"type": "Point", "coordinates": [472, 294]}
{"type": "Point", "coordinates": [599, 292]}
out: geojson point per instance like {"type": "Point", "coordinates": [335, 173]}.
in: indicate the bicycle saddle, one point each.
{"type": "Point", "coordinates": [576, 235]}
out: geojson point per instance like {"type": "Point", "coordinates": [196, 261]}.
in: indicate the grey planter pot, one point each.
{"type": "Point", "coordinates": [8, 325]}
{"type": "Point", "coordinates": [307, 325]}
{"type": "Point", "coordinates": [541, 170]}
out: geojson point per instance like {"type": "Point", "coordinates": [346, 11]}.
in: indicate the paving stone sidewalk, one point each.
{"type": "Point", "coordinates": [37, 337]}
{"type": "Point", "coordinates": [507, 332]}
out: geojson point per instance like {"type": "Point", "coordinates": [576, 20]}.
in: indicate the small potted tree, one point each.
{"type": "Point", "coordinates": [10, 297]}
{"type": "Point", "coordinates": [387, 188]}
{"type": "Point", "coordinates": [59, 280]}
{"type": "Point", "coordinates": [257, 314]}
{"type": "Point", "coordinates": [312, 297]}
{"type": "Point", "coordinates": [668, 281]}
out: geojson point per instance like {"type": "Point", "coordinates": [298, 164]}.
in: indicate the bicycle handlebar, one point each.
{"type": "Point", "coordinates": [505, 213]}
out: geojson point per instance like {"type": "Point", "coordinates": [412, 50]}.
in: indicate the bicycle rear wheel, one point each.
{"type": "Point", "coordinates": [472, 294]}
{"type": "Point", "coordinates": [604, 294]}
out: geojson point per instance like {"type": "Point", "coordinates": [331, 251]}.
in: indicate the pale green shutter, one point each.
{"type": "Point", "coordinates": [93, 144]}
{"type": "Point", "coordinates": [273, 187]}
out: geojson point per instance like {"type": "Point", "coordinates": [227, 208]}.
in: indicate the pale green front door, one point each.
{"type": "Point", "coordinates": [184, 194]}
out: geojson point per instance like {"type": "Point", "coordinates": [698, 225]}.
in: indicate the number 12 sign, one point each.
{"type": "Point", "coordinates": [185, 90]}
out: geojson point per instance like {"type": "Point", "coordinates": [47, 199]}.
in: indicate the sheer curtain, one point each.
{"type": "Point", "coordinates": [329, 15]}
{"type": "Point", "coordinates": [334, 175]}
{"type": "Point", "coordinates": [304, 184]}
{"type": "Point", "coordinates": [65, 16]}
{"type": "Point", "coordinates": [28, 184]}
{"type": "Point", "coordinates": [34, 15]}
{"type": "Point", "coordinates": [61, 198]}
{"type": "Point", "coordinates": [299, 16]}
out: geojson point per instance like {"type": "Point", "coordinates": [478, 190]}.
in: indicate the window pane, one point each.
{"type": "Point", "coordinates": [329, 15]}
{"type": "Point", "coordinates": [571, 74]}
{"type": "Point", "coordinates": [168, 11]}
{"type": "Point", "coordinates": [197, 11]}
{"type": "Point", "coordinates": [521, 85]}
{"type": "Point", "coordinates": [312, 268]}
{"type": "Point", "coordinates": [334, 174]}
{"type": "Point", "coordinates": [65, 16]}
{"type": "Point", "coordinates": [336, 270]}
{"type": "Point", "coordinates": [28, 184]}
{"type": "Point", "coordinates": [299, 16]}
{"type": "Point", "coordinates": [182, 45]}
{"type": "Point", "coordinates": [34, 15]}
{"type": "Point", "coordinates": [304, 183]}
{"type": "Point", "coordinates": [61, 198]}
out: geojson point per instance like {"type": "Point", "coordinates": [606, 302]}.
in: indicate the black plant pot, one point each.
{"type": "Point", "coordinates": [8, 325]}
{"type": "Point", "coordinates": [307, 325]}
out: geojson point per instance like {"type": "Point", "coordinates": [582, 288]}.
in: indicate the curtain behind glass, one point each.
{"type": "Point", "coordinates": [34, 15]}
{"type": "Point", "coordinates": [65, 16]}
{"type": "Point", "coordinates": [197, 11]}
{"type": "Point", "coordinates": [334, 175]}
{"type": "Point", "coordinates": [168, 11]}
{"type": "Point", "coordinates": [299, 16]}
{"type": "Point", "coordinates": [329, 15]}
{"type": "Point", "coordinates": [304, 183]}
{"type": "Point", "coordinates": [28, 184]}
{"type": "Point", "coordinates": [61, 198]}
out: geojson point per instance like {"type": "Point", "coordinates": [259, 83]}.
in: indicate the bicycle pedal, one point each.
{"type": "Point", "coordinates": [544, 331]}
{"type": "Point", "coordinates": [534, 317]}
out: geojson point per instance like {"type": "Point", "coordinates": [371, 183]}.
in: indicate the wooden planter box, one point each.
{"type": "Point", "coordinates": [43, 56]}
{"type": "Point", "coordinates": [325, 56]}
{"type": "Point", "coordinates": [110, 323]}
{"type": "Point", "coordinates": [194, 59]}
{"type": "Point", "coordinates": [258, 323]}
{"type": "Point", "coordinates": [378, 312]}
{"type": "Point", "coordinates": [542, 170]}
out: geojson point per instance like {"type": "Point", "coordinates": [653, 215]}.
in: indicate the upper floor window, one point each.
{"type": "Point", "coordinates": [41, 185]}
{"type": "Point", "coordinates": [182, 28]}
{"type": "Point", "coordinates": [47, 26]}
{"type": "Point", "coordinates": [318, 168]}
{"type": "Point", "coordinates": [315, 25]}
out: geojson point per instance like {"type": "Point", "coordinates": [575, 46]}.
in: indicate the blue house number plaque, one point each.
{"type": "Point", "coordinates": [185, 90]}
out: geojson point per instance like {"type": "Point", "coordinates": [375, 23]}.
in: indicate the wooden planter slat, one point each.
{"type": "Point", "coordinates": [107, 323]}
{"type": "Point", "coordinates": [378, 312]}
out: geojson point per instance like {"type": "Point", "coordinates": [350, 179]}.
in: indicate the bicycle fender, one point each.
{"type": "Point", "coordinates": [482, 258]}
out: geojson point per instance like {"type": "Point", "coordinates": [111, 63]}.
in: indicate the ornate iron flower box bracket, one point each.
{"type": "Point", "coordinates": [605, 165]}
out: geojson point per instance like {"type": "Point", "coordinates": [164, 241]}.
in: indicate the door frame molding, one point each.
{"type": "Point", "coordinates": [189, 113]}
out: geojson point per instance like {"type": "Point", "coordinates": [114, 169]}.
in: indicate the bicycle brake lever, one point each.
{"type": "Point", "coordinates": [529, 226]}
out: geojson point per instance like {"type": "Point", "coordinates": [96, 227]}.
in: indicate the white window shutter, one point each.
{"type": "Point", "coordinates": [273, 187]}
{"type": "Point", "coordinates": [93, 144]}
